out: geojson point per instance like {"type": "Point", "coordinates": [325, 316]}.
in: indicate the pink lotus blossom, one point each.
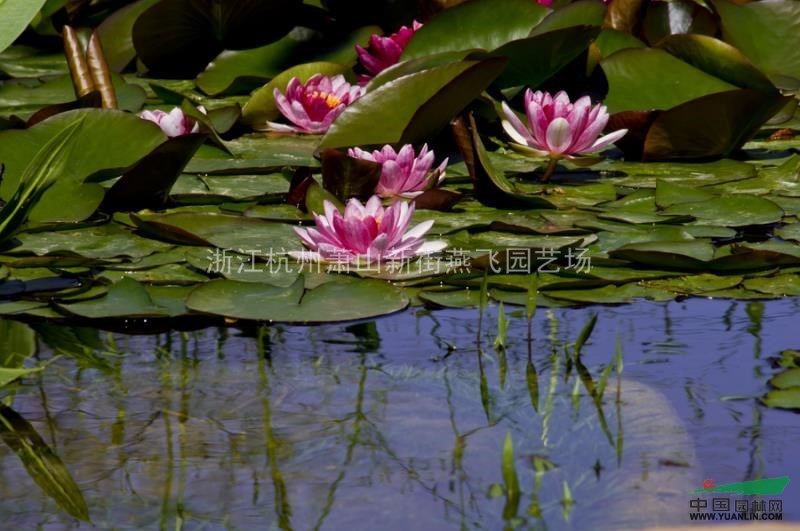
{"type": "Point", "coordinates": [365, 234]}
{"type": "Point", "coordinates": [173, 123]}
{"type": "Point", "coordinates": [384, 52]}
{"type": "Point", "coordinates": [558, 128]}
{"type": "Point", "coordinates": [545, 3]}
{"type": "Point", "coordinates": [312, 107]}
{"type": "Point", "coordinates": [403, 173]}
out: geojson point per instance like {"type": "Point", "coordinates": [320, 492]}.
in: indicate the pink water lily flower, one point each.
{"type": "Point", "coordinates": [365, 234]}
{"type": "Point", "coordinates": [404, 173]}
{"type": "Point", "coordinates": [312, 107]}
{"type": "Point", "coordinates": [173, 123]}
{"type": "Point", "coordinates": [384, 52]}
{"type": "Point", "coordinates": [558, 128]}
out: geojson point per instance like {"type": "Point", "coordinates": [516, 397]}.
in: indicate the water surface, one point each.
{"type": "Point", "coordinates": [390, 425]}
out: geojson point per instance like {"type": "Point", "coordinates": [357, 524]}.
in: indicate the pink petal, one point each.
{"type": "Point", "coordinates": [559, 136]}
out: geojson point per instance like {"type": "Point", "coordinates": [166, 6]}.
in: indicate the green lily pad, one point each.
{"type": "Point", "coordinates": [109, 141]}
{"type": "Point", "coordinates": [15, 15]}
{"type": "Point", "coordinates": [686, 255]}
{"type": "Point", "coordinates": [731, 211]}
{"type": "Point", "coordinates": [479, 24]}
{"type": "Point", "coordinates": [697, 284]}
{"type": "Point", "coordinates": [783, 398]}
{"type": "Point", "coordinates": [535, 59]}
{"type": "Point", "coordinates": [458, 298]}
{"type": "Point", "coordinates": [126, 298]}
{"type": "Point", "coordinates": [612, 294]}
{"type": "Point", "coordinates": [786, 379]}
{"type": "Point", "coordinates": [779, 285]}
{"type": "Point", "coordinates": [637, 82]}
{"type": "Point", "coordinates": [222, 231]}
{"type": "Point", "coordinates": [116, 34]}
{"type": "Point", "coordinates": [342, 300]}
{"type": "Point", "coordinates": [670, 193]}
{"type": "Point", "coordinates": [110, 240]}
{"type": "Point", "coordinates": [759, 30]}
{"type": "Point", "coordinates": [717, 58]}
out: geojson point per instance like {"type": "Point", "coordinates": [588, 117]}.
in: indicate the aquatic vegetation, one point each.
{"type": "Point", "coordinates": [366, 233]}
{"type": "Point", "coordinates": [687, 203]}
{"type": "Point", "coordinates": [314, 105]}
{"type": "Point", "coordinates": [404, 173]}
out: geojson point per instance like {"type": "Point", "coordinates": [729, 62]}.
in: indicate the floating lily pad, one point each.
{"type": "Point", "coordinates": [109, 240]}
{"type": "Point", "coordinates": [612, 294]}
{"type": "Point", "coordinates": [126, 298]}
{"type": "Point", "coordinates": [342, 300]}
{"type": "Point", "coordinates": [731, 211]}
{"type": "Point", "coordinates": [223, 231]}
{"type": "Point", "coordinates": [780, 285]}
{"type": "Point", "coordinates": [783, 398]}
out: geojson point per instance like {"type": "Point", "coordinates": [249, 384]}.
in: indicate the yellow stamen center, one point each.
{"type": "Point", "coordinates": [331, 100]}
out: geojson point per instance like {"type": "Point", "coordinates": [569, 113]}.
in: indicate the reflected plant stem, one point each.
{"type": "Point", "coordinates": [51, 429]}
{"type": "Point", "coordinates": [486, 399]}
{"type": "Point", "coordinates": [165, 499]}
{"type": "Point", "coordinates": [550, 397]}
{"type": "Point", "coordinates": [358, 418]}
{"type": "Point", "coordinates": [457, 472]}
{"type": "Point", "coordinates": [531, 376]}
{"type": "Point", "coordinates": [282, 507]}
{"type": "Point", "coordinates": [755, 464]}
{"type": "Point", "coordinates": [184, 416]}
{"type": "Point", "coordinates": [618, 402]}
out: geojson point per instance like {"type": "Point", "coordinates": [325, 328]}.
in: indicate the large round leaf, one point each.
{"type": "Point", "coordinates": [116, 34]}
{"type": "Point", "coordinates": [179, 37]}
{"type": "Point", "coordinates": [711, 126]}
{"type": "Point", "coordinates": [343, 299]}
{"type": "Point", "coordinates": [581, 13]}
{"type": "Point", "coordinates": [643, 79]}
{"type": "Point", "coordinates": [477, 24]}
{"type": "Point", "coordinates": [762, 31]}
{"type": "Point", "coordinates": [15, 15]}
{"type": "Point", "coordinates": [731, 211]}
{"type": "Point", "coordinates": [109, 140]}
{"type": "Point", "coordinates": [413, 107]}
{"type": "Point", "coordinates": [535, 59]}
{"type": "Point", "coordinates": [719, 59]}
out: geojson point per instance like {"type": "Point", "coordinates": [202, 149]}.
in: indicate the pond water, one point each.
{"type": "Point", "coordinates": [389, 425]}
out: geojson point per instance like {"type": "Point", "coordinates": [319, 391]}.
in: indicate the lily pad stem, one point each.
{"type": "Point", "coordinates": [549, 171]}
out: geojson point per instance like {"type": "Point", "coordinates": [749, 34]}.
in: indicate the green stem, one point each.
{"type": "Point", "coordinates": [549, 171]}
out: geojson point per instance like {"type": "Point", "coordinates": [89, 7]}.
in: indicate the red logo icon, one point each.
{"type": "Point", "coordinates": [709, 484]}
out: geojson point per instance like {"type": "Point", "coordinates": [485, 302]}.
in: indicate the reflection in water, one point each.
{"type": "Point", "coordinates": [401, 422]}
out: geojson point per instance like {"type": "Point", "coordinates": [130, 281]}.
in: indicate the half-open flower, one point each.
{"type": "Point", "coordinates": [384, 52]}
{"type": "Point", "coordinates": [312, 107]}
{"type": "Point", "coordinates": [558, 128]}
{"type": "Point", "coordinates": [365, 233]}
{"type": "Point", "coordinates": [404, 173]}
{"type": "Point", "coordinates": [173, 123]}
